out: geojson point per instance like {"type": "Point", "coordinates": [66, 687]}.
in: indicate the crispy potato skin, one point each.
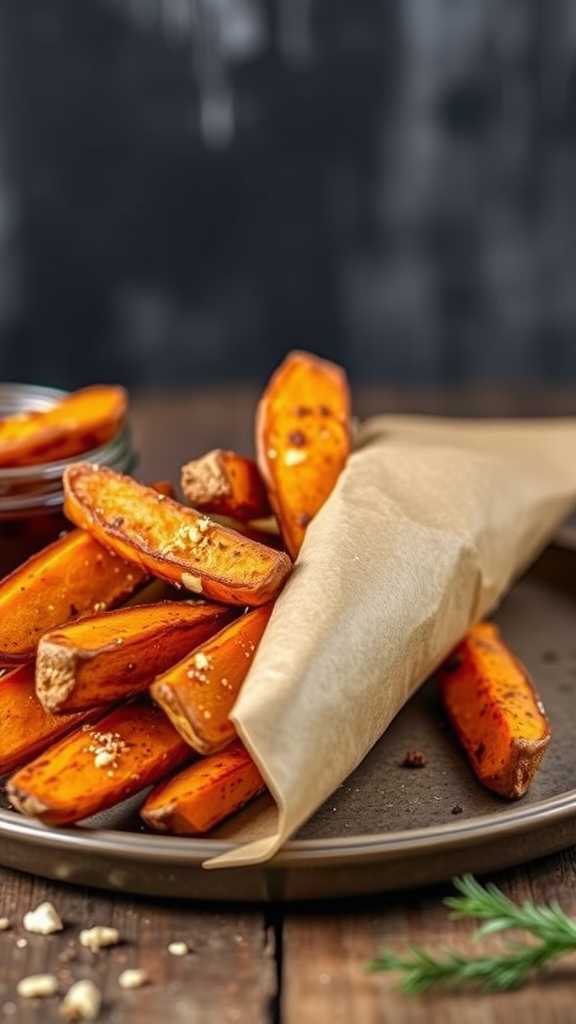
{"type": "Point", "coordinates": [495, 711]}
{"type": "Point", "coordinates": [73, 576]}
{"type": "Point", "coordinates": [205, 793]}
{"type": "Point", "coordinates": [26, 727]}
{"type": "Point", "coordinates": [303, 438]}
{"type": "Point", "coordinates": [79, 423]}
{"type": "Point", "coordinates": [170, 540]}
{"type": "Point", "coordinates": [113, 655]}
{"type": "Point", "coordinates": [97, 766]}
{"type": "Point", "coordinates": [199, 692]}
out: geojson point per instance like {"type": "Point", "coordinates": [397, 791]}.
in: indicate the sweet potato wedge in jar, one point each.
{"type": "Point", "coordinates": [73, 576]}
{"type": "Point", "coordinates": [198, 693]}
{"type": "Point", "coordinates": [98, 766]}
{"type": "Point", "coordinates": [113, 655]}
{"type": "Point", "coordinates": [303, 439]}
{"type": "Point", "coordinates": [495, 711]}
{"type": "Point", "coordinates": [204, 793]}
{"type": "Point", "coordinates": [224, 483]}
{"type": "Point", "coordinates": [26, 728]}
{"type": "Point", "coordinates": [82, 421]}
{"type": "Point", "coordinates": [171, 541]}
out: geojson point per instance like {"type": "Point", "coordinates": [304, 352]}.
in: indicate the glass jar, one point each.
{"type": "Point", "coordinates": [31, 497]}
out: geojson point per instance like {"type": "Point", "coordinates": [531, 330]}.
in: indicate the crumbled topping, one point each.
{"type": "Point", "coordinates": [106, 748]}
{"type": "Point", "coordinates": [98, 937]}
{"type": "Point", "coordinates": [178, 949]}
{"type": "Point", "coordinates": [43, 920]}
{"type": "Point", "coordinates": [133, 977]}
{"type": "Point", "coordinates": [81, 1002]}
{"type": "Point", "coordinates": [4, 924]}
{"type": "Point", "coordinates": [35, 986]}
{"type": "Point", "coordinates": [201, 661]}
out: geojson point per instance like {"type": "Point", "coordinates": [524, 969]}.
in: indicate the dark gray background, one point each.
{"type": "Point", "coordinates": [188, 188]}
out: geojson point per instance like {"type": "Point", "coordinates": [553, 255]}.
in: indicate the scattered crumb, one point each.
{"type": "Point", "coordinates": [414, 759]}
{"type": "Point", "coordinates": [43, 920]}
{"type": "Point", "coordinates": [133, 977]}
{"type": "Point", "coordinates": [178, 949]}
{"type": "Point", "coordinates": [21, 943]}
{"type": "Point", "coordinates": [81, 1002]}
{"type": "Point", "coordinates": [35, 986]}
{"type": "Point", "coordinates": [4, 924]}
{"type": "Point", "coordinates": [456, 809]}
{"type": "Point", "coordinates": [98, 937]}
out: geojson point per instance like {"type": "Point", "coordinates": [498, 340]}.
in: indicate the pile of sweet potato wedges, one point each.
{"type": "Point", "coordinates": [124, 643]}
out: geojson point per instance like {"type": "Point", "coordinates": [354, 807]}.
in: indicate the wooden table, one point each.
{"type": "Point", "coordinates": [273, 964]}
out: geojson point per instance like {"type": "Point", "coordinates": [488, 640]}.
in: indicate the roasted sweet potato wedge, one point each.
{"type": "Point", "coordinates": [113, 655]}
{"type": "Point", "coordinates": [198, 693]}
{"type": "Point", "coordinates": [26, 728]}
{"type": "Point", "coordinates": [171, 541]}
{"type": "Point", "coordinates": [80, 422]}
{"type": "Point", "coordinates": [495, 711]}
{"type": "Point", "coordinates": [224, 483]}
{"type": "Point", "coordinates": [204, 793]}
{"type": "Point", "coordinates": [303, 439]}
{"type": "Point", "coordinates": [97, 766]}
{"type": "Point", "coordinates": [73, 576]}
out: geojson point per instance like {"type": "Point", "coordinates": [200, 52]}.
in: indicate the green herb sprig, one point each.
{"type": "Point", "coordinates": [553, 936]}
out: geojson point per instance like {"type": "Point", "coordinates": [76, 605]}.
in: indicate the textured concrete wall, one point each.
{"type": "Point", "coordinates": [190, 187]}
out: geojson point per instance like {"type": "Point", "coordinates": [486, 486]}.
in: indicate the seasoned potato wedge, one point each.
{"type": "Point", "coordinates": [199, 692]}
{"type": "Point", "coordinates": [224, 483]}
{"type": "Point", "coordinates": [495, 711]}
{"type": "Point", "coordinates": [73, 576]}
{"type": "Point", "coordinates": [97, 766]}
{"type": "Point", "coordinates": [113, 655]}
{"type": "Point", "coordinates": [204, 793]}
{"type": "Point", "coordinates": [303, 439]}
{"type": "Point", "coordinates": [81, 422]}
{"type": "Point", "coordinates": [26, 728]}
{"type": "Point", "coordinates": [171, 541]}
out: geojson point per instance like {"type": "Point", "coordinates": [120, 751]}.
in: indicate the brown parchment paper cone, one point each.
{"type": "Point", "coordinates": [428, 526]}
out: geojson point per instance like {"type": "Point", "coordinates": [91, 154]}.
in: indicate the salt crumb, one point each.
{"type": "Point", "coordinates": [35, 986]}
{"type": "Point", "coordinates": [178, 948]}
{"type": "Point", "coordinates": [81, 1002]}
{"type": "Point", "coordinates": [133, 977]}
{"type": "Point", "coordinates": [98, 937]}
{"type": "Point", "coordinates": [43, 920]}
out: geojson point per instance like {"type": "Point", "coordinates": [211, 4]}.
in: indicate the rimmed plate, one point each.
{"type": "Point", "coordinates": [388, 827]}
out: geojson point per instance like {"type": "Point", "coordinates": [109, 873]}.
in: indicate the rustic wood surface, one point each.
{"type": "Point", "coordinates": [276, 964]}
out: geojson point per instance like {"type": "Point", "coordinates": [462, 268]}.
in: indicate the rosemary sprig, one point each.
{"type": "Point", "coordinates": [553, 935]}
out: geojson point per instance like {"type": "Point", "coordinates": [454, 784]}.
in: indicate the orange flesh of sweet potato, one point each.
{"type": "Point", "coordinates": [495, 711]}
{"type": "Point", "coordinates": [112, 655]}
{"type": "Point", "coordinates": [171, 541]}
{"type": "Point", "coordinates": [224, 483]}
{"type": "Point", "coordinates": [204, 793]}
{"type": "Point", "coordinates": [26, 728]}
{"type": "Point", "coordinates": [199, 692]}
{"type": "Point", "coordinates": [97, 766]}
{"type": "Point", "coordinates": [73, 576]}
{"type": "Point", "coordinates": [302, 439]}
{"type": "Point", "coordinates": [80, 422]}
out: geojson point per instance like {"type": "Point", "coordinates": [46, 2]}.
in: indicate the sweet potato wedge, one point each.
{"type": "Point", "coordinates": [113, 655]}
{"type": "Point", "coordinates": [224, 483]}
{"type": "Point", "coordinates": [204, 793]}
{"type": "Point", "coordinates": [495, 711]}
{"type": "Point", "coordinates": [97, 766]}
{"type": "Point", "coordinates": [198, 693]}
{"type": "Point", "coordinates": [171, 541]}
{"type": "Point", "coordinates": [81, 422]}
{"type": "Point", "coordinates": [26, 728]}
{"type": "Point", "coordinates": [73, 576]}
{"type": "Point", "coordinates": [303, 439]}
